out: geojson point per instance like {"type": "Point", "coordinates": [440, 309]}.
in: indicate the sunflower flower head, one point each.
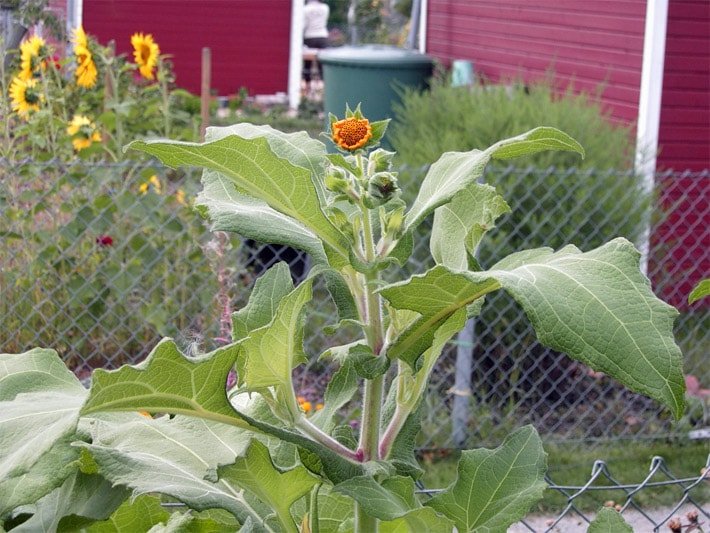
{"type": "Point", "coordinates": [145, 54]}
{"type": "Point", "coordinates": [355, 132]}
{"type": "Point", "coordinates": [33, 53]}
{"type": "Point", "coordinates": [83, 132]}
{"type": "Point", "coordinates": [25, 96]}
{"type": "Point", "coordinates": [86, 72]}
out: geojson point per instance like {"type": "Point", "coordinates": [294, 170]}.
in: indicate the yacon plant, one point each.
{"type": "Point", "coordinates": [245, 456]}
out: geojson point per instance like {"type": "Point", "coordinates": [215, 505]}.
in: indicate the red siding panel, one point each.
{"type": "Point", "coordinates": [249, 38]}
{"type": "Point", "coordinates": [591, 43]}
{"type": "Point", "coordinates": [684, 136]}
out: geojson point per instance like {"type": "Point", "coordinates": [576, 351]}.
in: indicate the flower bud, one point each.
{"type": "Point", "coordinates": [336, 180]}
{"type": "Point", "coordinates": [382, 188]}
{"type": "Point", "coordinates": [380, 161]}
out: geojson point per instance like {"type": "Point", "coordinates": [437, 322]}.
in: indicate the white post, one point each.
{"type": "Point", "coordinates": [295, 65]}
{"type": "Point", "coordinates": [649, 117]}
{"type": "Point", "coordinates": [75, 14]}
{"type": "Point", "coordinates": [424, 6]}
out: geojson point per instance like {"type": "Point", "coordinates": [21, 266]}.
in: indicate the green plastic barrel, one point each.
{"type": "Point", "coordinates": [371, 75]}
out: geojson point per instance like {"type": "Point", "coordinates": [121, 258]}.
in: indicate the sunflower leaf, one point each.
{"type": "Point", "coordinates": [258, 171]}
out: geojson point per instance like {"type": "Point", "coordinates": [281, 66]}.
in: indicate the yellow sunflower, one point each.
{"type": "Point", "coordinates": [145, 52]}
{"type": "Point", "coordinates": [83, 132]}
{"type": "Point", "coordinates": [86, 72]}
{"type": "Point", "coordinates": [32, 53]}
{"type": "Point", "coordinates": [25, 96]}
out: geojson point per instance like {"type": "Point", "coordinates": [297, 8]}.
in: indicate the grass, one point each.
{"type": "Point", "coordinates": [627, 461]}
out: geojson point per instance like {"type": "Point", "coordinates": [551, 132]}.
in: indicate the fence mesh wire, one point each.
{"type": "Point", "coordinates": [101, 261]}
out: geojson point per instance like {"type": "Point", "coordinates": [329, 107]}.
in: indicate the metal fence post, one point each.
{"type": "Point", "coordinates": [462, 384]}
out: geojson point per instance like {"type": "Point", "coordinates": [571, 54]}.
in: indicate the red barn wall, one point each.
{"type": "Point", "coordinates": [588, 42]}
{"type": "Point", "coordinates": [249, 38]}
{"type": "Point", "coordinates": [684, 136]}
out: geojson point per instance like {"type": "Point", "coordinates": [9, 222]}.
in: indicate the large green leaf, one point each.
{"type": "Point", "coordinates": [609, 521]}
{"type": "Point", "coordinates": [495, 488]}
{"type": "Point", "coordinates": [140, 514]}
{"type": "Point", "coordinates": [393, 502]}
{"type": "Point", "coordinates": [270, 354]}
{"type": "Point", "coordinates": [385, 500]}
{"type": "Point", "coordinates": [455, 171]}
{"type": "Point", "coordinates": [418, 521]}
{"type": "Point", "coordinates": [299, 148]}
{"type": "Point", "coordinates": [169, 382]}
{"type": "Point", "coordinates": [51, 470]}
{"type": "Point", "coordinates": [81, 500]}
{"type": "Point", "coordinates": [599, 308]}
{"type": "Point", "coordinates": [435, 295]}
{"type": "Point", "coordinates": [595, 306]}
{"type": "Point", "coordinates": [274, 285]}
{"type": "Point", "coordinates": [258, 171]}
{"type": "Point", "coordinates": [31, 424]}
{"type": "Point", "coordinates": [460, 225]}
{"type": "Point", "coordinates": [174, 457]}
{"type": "Point", "coordinates": [231, 210]}
{"type": "Point", "coordinates": [320, 459]}
{"type": "Point", "coordinates": [38, 370]}
{"type": "Point", "coordinates": [334, 510]}
{"type": "Point", "coordinates": [278, 490]}
{"type": "Point", "coordinates": [38, 419]}
{"type": "Point", "coordinates": [340, 390]}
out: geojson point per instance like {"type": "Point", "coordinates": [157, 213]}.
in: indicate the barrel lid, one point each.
{"type": "Point", "coordinates": [376, 55]}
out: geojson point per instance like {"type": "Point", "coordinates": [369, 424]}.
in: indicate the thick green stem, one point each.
{"type": "Point", "coordinates": [372, 397]}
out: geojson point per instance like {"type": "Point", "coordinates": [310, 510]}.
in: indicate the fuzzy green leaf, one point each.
{"type": "Point", "coordinates": [609, 521]}
{"type": "Point", "coordinates": [175, 457]}
{"type": "Point", "coordinates": [455, 171]}
{"type": "Point", "coordinates": [435, 295]}
{"type": "Point", "coordinates": [258, 171]}
{"type": "Point", "coordinates": [274, 285]}
{"type": "Point", "coordinates": [278, 490]}
{"type": "Point", "coordinates": [595, 306]}
{"type": "Point", "coordinates": [81, 500]}
{"type": "Point", "coordinates": [386, 500]}
{"type": "Point", "coordinates": [271, 353]}
{"type": "Point", "coordinates": [38, 370]}
{"type": "Point", "coordinates": [418, 521]}
{"type": "Point", "coordinates": [138, 515]}
{"type": "Point", "coordinates": [169, 382]}
{"type": "Point", "coordinates": [495, 488]}
{"type": "Point", "coordinates": [49, 472]}
{"type": "Point", "coordinates": [39, 413]}
{"type": "Point", "coordinates": [32, 423]}
{"type": "Point", "coordinates": [701, 290]}
{"type": "Point", "coordinates": [460, 225]}
{"type": "Point", "coordinates": [334, 510]}
{"type": "Point", "coordinates": [339, 392]}
{"type": "Point", "coordinates": [599, 308]}
{"type": "Point", "coordinates": [233, 211]}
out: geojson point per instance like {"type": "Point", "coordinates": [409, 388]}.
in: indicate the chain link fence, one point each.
{"type": "Point", "coordinates": [579, 503]}
{"type": "Point", "coordinates": [101, 261]}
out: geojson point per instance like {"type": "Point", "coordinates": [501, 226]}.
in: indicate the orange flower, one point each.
{"type": "Point", "coordinates": [352, 133]}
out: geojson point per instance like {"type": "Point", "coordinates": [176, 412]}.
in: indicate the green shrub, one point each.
{"type": "Point", "coordinates": [449, 118]}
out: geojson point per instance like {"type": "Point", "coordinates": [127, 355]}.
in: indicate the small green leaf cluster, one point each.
{"type": "Point", "coordinates": [172, 425]}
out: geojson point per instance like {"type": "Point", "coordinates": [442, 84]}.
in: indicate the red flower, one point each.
{"type": "Point", "coordinates": [104, 240]}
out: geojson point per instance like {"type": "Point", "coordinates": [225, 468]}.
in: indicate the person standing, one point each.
{"type": "Point", "coordinates": [315, 32]}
